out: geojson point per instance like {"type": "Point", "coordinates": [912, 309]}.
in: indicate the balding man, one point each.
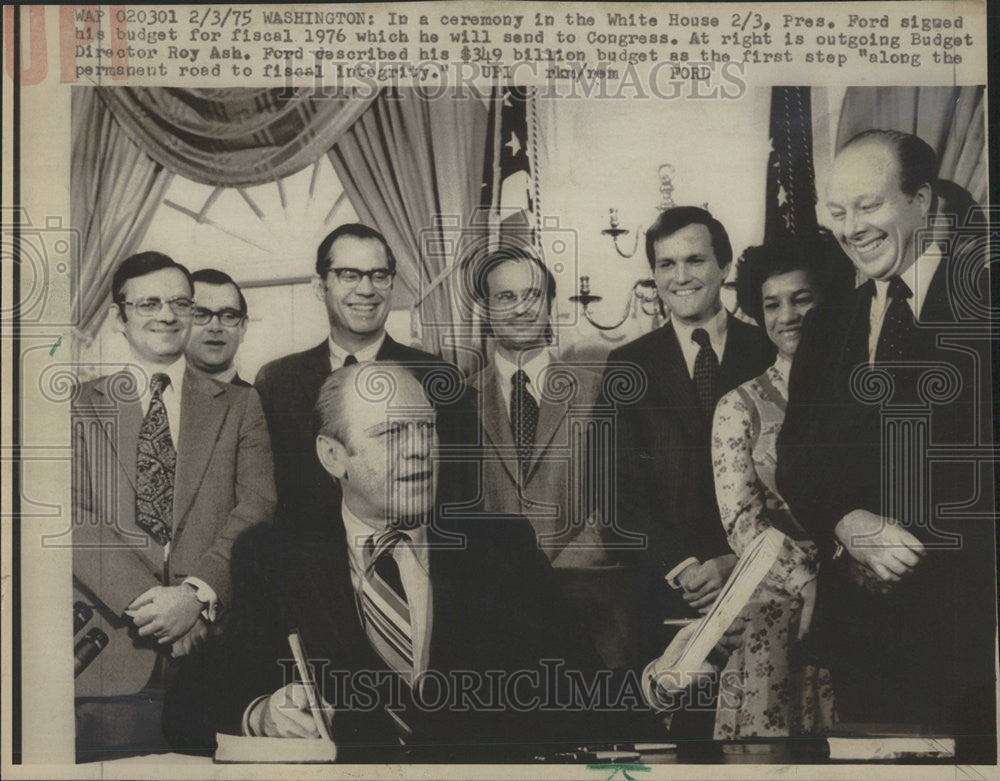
{"type": "Point", "coordinates": [906, 606]}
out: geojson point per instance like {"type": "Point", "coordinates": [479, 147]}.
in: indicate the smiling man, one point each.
{"type": "Point", "coordinates": [355, 274]}
{"type": "Point", "coordinates": [906, 605]}
{"type": "Point", "coordinates": [665, 484]}
{"type": "Point", "coordinates": [169, 467]}
{"type": "Point", "coordinates": [219, 325]}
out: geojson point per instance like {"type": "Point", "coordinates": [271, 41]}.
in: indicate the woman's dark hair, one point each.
{"type": "Point", "coordinates": [830, 271]}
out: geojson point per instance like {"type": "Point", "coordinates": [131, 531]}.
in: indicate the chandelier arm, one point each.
{"type": "Point", "coordinates": [635, 245]}
{"type": "Point", "coordinates": [625, 314]}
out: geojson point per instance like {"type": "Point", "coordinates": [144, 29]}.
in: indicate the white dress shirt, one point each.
{"type": "Point", "coordinates": [918, 278]}
{"type": "Point", "coordinates": [717, 329]}
{"type": "Point", "coordinates": [537, 363]}
{"type": "Point", "coordinates": [338, 354]}
{"type": "Point", "coordinates": [413, 561]}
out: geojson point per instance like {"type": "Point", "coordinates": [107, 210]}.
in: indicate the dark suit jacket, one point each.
{"type": "Point", "coordinates": [288, 389]}
{"type": "Point", "coordinates": [223, 485]}
{"type": "Point", "coordinates": [237, 380]}
{"type": "Point", "coordinates": [495, 608]}
{"type": "Point", "coordinates": [666, 488]}
{"type": "Point", "coordinates": [922, 651]}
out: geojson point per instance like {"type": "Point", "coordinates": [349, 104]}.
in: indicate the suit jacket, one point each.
{"type": "Point", "coordinates": [666, 487]}
{"type": "Point", "coordinates": [237, 380]}
{"type": "Point", "coordinates": [223, 485]}
{"type": "Point", "coordinates": [288, 389]}
{"type": "Point", "coordinates": [303, 581]}
{"type": "Point", "coordinates": [553, 493]}
{"type": "Point", "coordinates": [925, 649]}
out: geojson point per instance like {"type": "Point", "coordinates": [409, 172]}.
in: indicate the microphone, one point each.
{"type": "Point", "coordinates": [87, 650]}
{"type": "Point", "coordinates": [82, 613]}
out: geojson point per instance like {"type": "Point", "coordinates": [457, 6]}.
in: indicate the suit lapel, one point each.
{"type": "Point", "coordinates": [550, 417]}
{"type": "Point", "coordinates": [124, 436]}
{"type": "Point", "coordinates": [203, 411]}
{"type": "Point", "coordinates": [678, 387]}
{"type": "Point", "coordinates": [496, 426]}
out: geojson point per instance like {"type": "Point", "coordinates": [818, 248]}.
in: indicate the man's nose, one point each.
{"type": "Point", "coordinates": [681, 272]}
{"type": "Point", "coordinates": [365, 286]}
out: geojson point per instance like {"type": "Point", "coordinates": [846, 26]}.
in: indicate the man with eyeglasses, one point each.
{"type": "Point", "coordinates": [534, 464]}
{"type": "Point", "coordinates": [219, 325]}
{"type": "Point", "coordinates": [355, 272]}
{"type": "Point", "coordinates": [169, 467]}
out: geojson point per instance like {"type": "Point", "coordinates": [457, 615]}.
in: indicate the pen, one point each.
{"type": "Point", "coordinates": [679, 621]}
{"type": "Point", "coordinates": [310, 685]}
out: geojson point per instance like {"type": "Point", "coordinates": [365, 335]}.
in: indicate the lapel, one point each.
{"type": "Point", "coordinates": [669, 369]}
{"type": "Point", "coordinates": [314, 370]}
{"type": "Point", "coordinates": [204, 406]}
{"type": "Point", "coordinates": [550, 415]}
{"type": "Point", "coordinates": [937, 304]}
{"type": "Point", "coordinates": [124, 436]}
{"type": "Point", "coordinates": [741, 358]}
{"type": "Point", "coordinates": [496, 425]}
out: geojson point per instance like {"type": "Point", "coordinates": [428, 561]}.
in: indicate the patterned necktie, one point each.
{"type": "Point", "coordinates": [350, 360]}
{"type": "Point", "coordinates": [706, 372]}
{"type": "Point", "coordinates": [898, 326]}
{"type": "Point", "coordinates": [523, 418]}
{"type": "Point", "coordinates": [382, 601]}
{"type": "Point", "coordinates": [155, 464]}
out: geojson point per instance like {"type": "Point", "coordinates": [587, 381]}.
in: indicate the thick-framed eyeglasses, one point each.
{"type": "Point", "coordinates": [150, 307]}
{"type": "Point", "coordinates": [351, 277]}
{"type": "Point", "coordinates": [227, 317]}
{"type": "Point", "coordinates": [508, 299]}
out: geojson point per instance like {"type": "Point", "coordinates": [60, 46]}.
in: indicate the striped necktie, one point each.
{"type": "Point", "coordinates": [383, 605]}
{"type": "Point", "coordinates": [156, 461]}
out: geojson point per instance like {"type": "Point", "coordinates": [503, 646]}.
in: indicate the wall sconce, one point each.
{"type": "Point", "coordinates": [644, 289]}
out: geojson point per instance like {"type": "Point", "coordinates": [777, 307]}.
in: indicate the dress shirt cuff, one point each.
{"type": "Point", "coordinates": [661, 699]}
{"type": "Point", "coordinates": [206, 595]}
{"type": "Point", "coordinates": [671, 577]}
{"type": "Point", "coordinates": [246, 726]}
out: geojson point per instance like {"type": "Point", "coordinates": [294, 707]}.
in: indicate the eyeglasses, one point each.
{"type": "Point", "coordinates": [351, 277]}
{"type": "Point", "coordinates": [507, 299]}
{"type": "Point", "coordinates": [227, 317]}
{"type": "Point", "coordinates": [148, 307]}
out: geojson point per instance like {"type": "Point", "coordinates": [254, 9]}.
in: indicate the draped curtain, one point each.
{"type": "Point", "coordinates": [412, 167]}
{"type": "Point", "coordinates": [115, 189]}
{"type": "Point", "coordinates": [128, 142]}
{"type": "Point", "coordinates": [950, 119]}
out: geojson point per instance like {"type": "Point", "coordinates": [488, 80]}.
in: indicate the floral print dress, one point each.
{"type": "Point", "coordinates": [767, 688]}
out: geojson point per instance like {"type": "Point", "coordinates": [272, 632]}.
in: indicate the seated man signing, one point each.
{"type": "Point", "coordinates": [443, 634]}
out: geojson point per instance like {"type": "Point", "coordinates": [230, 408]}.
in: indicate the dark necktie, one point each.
{"type": "Point", "coordinates": [523, 418]}
{"type": "Point", "coordinates": [706, 372]}
{"type": "Point", "coordinates": [156, 462]}
{"type": "Point", "coordinates": [898, 326]}
{"type": "Point", "coordinates": [350, 360]}
{"type": "Point", "coordinates": [384, 607]}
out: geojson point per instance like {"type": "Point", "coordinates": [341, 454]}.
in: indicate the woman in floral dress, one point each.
{"type": "Point", "coordinates": [769, 688]}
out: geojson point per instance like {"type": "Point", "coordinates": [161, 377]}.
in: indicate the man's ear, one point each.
{"type": "Point", "coordinates": [117, 318]}
{"type": "Point", "coordinates": [332, 455]}
{"type": "Point", "coordinates": [319, 288]}
{"type": "Point", "coordinates": [924, 197]}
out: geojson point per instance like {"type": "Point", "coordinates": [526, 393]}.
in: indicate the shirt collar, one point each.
{"type": "Point", "coordinates": [917, 277]}
{"type": "Point", "coordinates": [143, 372]}
{"type": "Point", "coordinates": [533, 367]}
{"type": "Point", "coordinates": [716, 328]}
{"type": "Point", "coordinates": [338, 354]}
{"type": "Point", "coordinates": [359, 531]}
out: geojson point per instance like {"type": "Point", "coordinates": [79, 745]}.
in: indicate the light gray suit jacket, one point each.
{"type": "Point", "coordinates": [557, 493]}
{"type": "Point", "coordinates": [224, 484]}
